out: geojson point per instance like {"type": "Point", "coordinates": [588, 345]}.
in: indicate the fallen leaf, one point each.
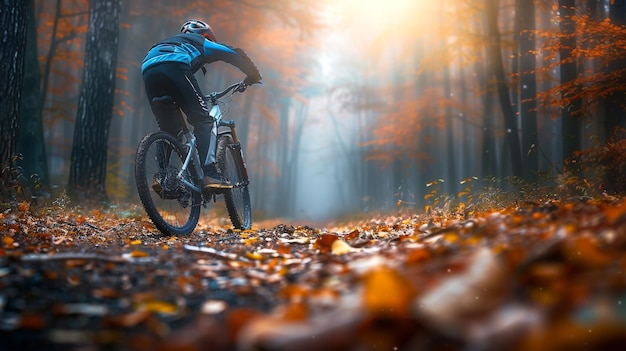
{"type": "Point", "coordinates": [8, 241]}
{"type": "Point", "coordinates": [138, 253]}
{"type": "Point", "coordinates": [340, 247]}
{"type": "Point", "coordinates": [469, 294]}
{"type": "Point", "coordinates": [324, 242]}
{"type": "Point", "coordinates": [386, 292]}
{"type": "Point", "coordinates": [23, 206]}
{"type": "Point", "coordinates": [157, 306]}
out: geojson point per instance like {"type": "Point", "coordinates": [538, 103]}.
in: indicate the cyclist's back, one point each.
{"type": "Point", "coordinates": [192, 49]}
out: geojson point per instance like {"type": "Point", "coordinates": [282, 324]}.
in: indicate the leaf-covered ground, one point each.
{"type": "Point", "coordinates": [533, 276]}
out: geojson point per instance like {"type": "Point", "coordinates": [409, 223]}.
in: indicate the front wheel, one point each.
{"type": "Point", "coordinates": [231, 164]}
{"type": "Point", "coordinates": [173, 207]}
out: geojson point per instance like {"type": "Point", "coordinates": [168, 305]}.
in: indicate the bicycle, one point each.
{"type": "Point", "coordinates": [169, 175]}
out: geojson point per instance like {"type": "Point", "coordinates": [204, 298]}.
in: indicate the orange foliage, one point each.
{"type": "Point", "coordinates": [404, 86]}
{"type": "Point", "coordinates": [403, 123]}
{"type": "Point", "coordinates": [608, 161]}
{"type": "Point", "coordinates": [599, 44]}
{"type": "Point", "coordinates": [63, 52]}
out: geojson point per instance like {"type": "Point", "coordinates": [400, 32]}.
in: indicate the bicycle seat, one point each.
{"type": "Point", "coordinates": [164, 100]}
{"type": "Point", "coordinates": [227, 123]}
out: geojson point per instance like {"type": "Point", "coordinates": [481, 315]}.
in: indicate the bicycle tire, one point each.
{"type": "Point", "coordinates": [230, 164]}
{"type": "Point", "coordinates": [173, 208]}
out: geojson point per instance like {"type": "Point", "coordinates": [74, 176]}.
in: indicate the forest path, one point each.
{"type": "Point", "coordinates": [537, 275]}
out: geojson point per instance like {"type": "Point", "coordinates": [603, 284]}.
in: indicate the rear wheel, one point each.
{"type": "Point", "coordinates": [230, 163]}
{"type": "Point", "coordinates": [173, 208]}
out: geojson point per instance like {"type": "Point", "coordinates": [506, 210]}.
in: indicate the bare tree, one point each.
{"type": "Point", "coordinates": [95, 105]}
{"type": "Point", "coordinates": [525, 24]}
{"type": "Point", "coordinates": [497, 66]}
{"type": "Point", "coordinates": [13, 19]}
{"type": "Point", "coordinates": [570, 124]}
{"type": "Point", "coordinates": [31, 144]}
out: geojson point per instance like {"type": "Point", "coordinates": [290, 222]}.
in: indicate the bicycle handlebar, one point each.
{"type": "Point", "coordinates": [237, 87]}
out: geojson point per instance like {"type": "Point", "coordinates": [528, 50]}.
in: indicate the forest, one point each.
{"type": "Point", "coordinates": [430, 103]}
{"type": "Point", "coordinates": [423, 175]}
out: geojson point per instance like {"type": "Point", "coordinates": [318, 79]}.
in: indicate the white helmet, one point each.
{"type": "Point", "coordinates": [198, 27]}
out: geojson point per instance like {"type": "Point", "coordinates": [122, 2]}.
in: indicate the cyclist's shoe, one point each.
{"type": "Point", "coordinates": [157, 187]}
{"type": "Point", "coordinates": [211, 183]}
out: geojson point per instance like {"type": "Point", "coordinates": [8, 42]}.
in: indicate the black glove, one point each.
{"type": "Point", "coordinates": [253, 79]}
{"type": "Point", "coordinates": [254, 76]}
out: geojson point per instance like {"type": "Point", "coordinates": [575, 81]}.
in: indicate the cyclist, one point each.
{"type": "Point", "coordinates": [168, 70]}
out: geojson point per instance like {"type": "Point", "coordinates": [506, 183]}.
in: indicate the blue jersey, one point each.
{"type": "Point", "coordinates": [196, 51]}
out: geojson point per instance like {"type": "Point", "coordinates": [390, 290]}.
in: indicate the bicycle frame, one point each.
{"type": "Point", "coordinates": [190, 143]}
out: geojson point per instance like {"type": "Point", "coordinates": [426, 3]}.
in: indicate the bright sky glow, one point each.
{"type": "Point", "coordinates": [372, 18]}
{"type": "Point", "coordinates": [363, 40]}
{"type": "Point", "coordinates": [361, 29]}
{"type": "Point", "coordinates": [374, 12]}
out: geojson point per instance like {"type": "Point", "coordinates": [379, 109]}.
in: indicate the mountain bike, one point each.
{"type": "Point", "coordinates": [169, 175]}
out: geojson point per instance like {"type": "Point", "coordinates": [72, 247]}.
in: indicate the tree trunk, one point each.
{"type": "Point", "coordinates": [31, 143]}
{"type": "Point", "coordinates": [54, 42]}
{"type": "Point", "coordinates": [14, 21]}
{"type": "Point", "coordinates": [450, 154]}
{"type": "Point", "coordinates": [95, 104]}
{"type": "Point", "coordinates": [282, 159]}
{"type": "Point", "coordinates": [570, 126]}
{"type": "Point", "coordinates": [495, 58]}
{"type": "Point", "coordinates": [488, 162]}
{"type": "Point", "coordinates": [525, 13]}
{"type": "Point", "coordinates": [296, 145]}
{"type": "Point", "coordinates": [616, 102]}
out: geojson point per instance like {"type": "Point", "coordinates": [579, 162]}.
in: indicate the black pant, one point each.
{"type": "Point", "coordinates": [177, 81]}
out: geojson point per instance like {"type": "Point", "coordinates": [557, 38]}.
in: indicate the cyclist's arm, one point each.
{"type": "Point", "coordinates": [236, 57]}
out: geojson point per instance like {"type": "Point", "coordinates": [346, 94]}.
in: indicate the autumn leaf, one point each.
{"type": "Point", "coordinates": [386, 292]}
{"type": "Point", "coordinates": [340, 247]}
{"type": "Point", "coordinates": [283, 249]}
{"type": "Point", "coordinates": [157, 306]}
{"type": "Point", "coordinates": [324, 242]}
{"type": "Point", "coordinates": [418, 255]}
{"type": "Point", "coordinates": [237, 319]}
{"type": "Point", "coordinates": [106, 292]}
{"type": "Point", "coordinates": [585, 250]}
{"type": "Point", "coordinates": [138, 253]}
{"type": "Point", "coordinates": [293, 312]}
{"type": "Point", "coordinates": [294, 292]}
{"type": "Point", "coordinates": [616, 212]}
{"type": "Point", "coordinates": [128, 320]}
{"type": "Point", "coordinates": [254, 256]}
{"type": "Point", "coordinates": [23, 206]}
{"type": "Point", "coordinates": [98, 215]}
{"type": "Point", "coordinates": [472, 293]}
{"type": "Point", "coordinates": [31, 321]}
{"type": "Point", "coordinates": [8, 241]}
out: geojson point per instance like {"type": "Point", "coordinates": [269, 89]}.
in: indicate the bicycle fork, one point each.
{"type": "Point", "coordinates": [242, 169]}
